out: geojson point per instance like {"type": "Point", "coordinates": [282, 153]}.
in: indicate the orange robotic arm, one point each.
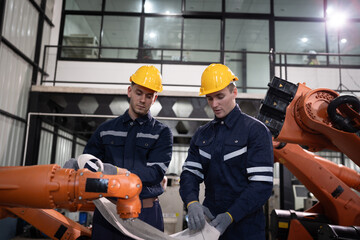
{"type": "Point", "coordinates": [316, 119]}
{"type": "Point", "coordinates": [50, 186]}
{"type": "Point", "coordinates": [312, 118]}
{"type": "Point", "coordinates": [331, 184]}
{"type": "Point", "coordinates": [50, 222]}
{"type": "Point", "coordinates": [323, 179]}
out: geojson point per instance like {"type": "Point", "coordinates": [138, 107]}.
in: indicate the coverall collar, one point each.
{"type": "Point", "coordinates": [230, 119]}
{"type": "Point", "coordinates": [141, 120]}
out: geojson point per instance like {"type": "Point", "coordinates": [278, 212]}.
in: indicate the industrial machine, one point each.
{"type": "Point", "coordinates": [303, 121]}
{"type": "Point", "coordinates": [33, 192]}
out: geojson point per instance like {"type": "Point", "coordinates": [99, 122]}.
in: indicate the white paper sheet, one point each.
{"type": "Point", "coordinates": [139, 230]}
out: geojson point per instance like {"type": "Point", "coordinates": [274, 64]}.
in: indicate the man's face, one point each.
{"type": "Point", "coordinates": [141, 99]}
{"type": "Point", "coordinates": [222, 102]}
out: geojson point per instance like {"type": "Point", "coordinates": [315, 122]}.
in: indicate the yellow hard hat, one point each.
{"type": "Point", "coordinates": [215, 78]}
{"type": "Point", "coordinates": [148, 76]}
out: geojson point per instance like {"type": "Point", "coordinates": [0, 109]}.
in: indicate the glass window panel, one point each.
{"type": "Point", "coordinates": [254, 6]}
{"type": "Point", "coordinates": [295, 8]}
{"type": "Point", "coordinates": [349, 61]}
{"type": "Point", "coordinates": [249, 35]}
{"type": "Point", "coordinates": [257, 70]}
{"type": "Point", "coordinates": [119, 53]}
{"type": "Point", "coordinates": [203, 5]}
{"type": "Point", "coordinates": [166, 55]}
{"type": "Point", "coordinates": [300, 37]}
{"type": "Point", "coordinates": [20, 25]}
{"type": "Point", "coordinates": [123, 5]}
{"type": "Point", "coordinates": [350, 8]}
{"type": "Point", "coordinates": [286, 58]}
{"type": "Point", "coordinates": [252, 70]}
{"type": "Point", "coordinates": [162, 32]}
{"type": "Point", "coordinates": [308, 58]}
{"type": "Point", "coordinates": [163, 6]}
{"type": "Point", "coordinates": [343, 35]}
{"type": "Point", "coordinates": [334, 44]}
{"type": "Point", "coordinates": [86, 5]}
{"type": "Point", "coordinates": [120, 31]}
{"type": "Point", "coordinates": [199, 56]}
{"type": "Point", "coordinates": [344, 40]}
{"type": "Point", "coordinates": [81, 31]}
{"type": "Point", "coordinates": [235, 62]}
{"type": "Point", "coordinates": [202, 34]}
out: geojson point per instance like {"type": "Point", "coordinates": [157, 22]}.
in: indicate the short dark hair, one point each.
{"type": "Point", "coordinates": [231, 87]}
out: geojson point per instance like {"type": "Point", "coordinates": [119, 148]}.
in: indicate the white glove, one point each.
{"type": "Point", "coordinates": [96, 165]}
{"type": "Point", "coordinates": [90, 162]}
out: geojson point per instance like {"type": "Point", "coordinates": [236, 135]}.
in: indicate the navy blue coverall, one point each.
{"type": "Point", "coordinates": [234, 158]}
{"type": "Point", "coordinates": [142, 146]}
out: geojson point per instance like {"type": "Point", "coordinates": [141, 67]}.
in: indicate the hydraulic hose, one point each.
{"type": "Point", "coordinates": [341, 122]}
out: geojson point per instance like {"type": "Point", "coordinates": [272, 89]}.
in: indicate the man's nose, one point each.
{"type": "Point", "coordinates": [214, 103]}
{"type": "Point", "coordinates": [142, 98]}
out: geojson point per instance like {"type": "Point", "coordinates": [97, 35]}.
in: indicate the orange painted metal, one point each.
{"type": "Point", "coordinates": [293, 132]}
{"type": "Point", "coordinates": [339, 203]}
{"type": "Point", "coordinates": [50, 186]}
{"type": "Point", "coordinates": [298, 232]}
{"type": "Point", "coordinates": [307, 123]}
{"type": "Point", "coordinates": [349, 176]}
{"type": "Point", "coordinates": [52, 223]}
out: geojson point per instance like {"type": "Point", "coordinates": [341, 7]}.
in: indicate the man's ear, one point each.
{"type": "Point", "coordinates": [129, 91]}
{"type": "Point", "coordinates": [235, 92]}
{"type": "Point", "coordinates": [155, 97]}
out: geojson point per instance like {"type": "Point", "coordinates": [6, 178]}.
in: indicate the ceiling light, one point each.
{"type": "Point", "coordinates": [344, 40]}
{"type": "Point", "coordinates": [152, 35]}
{"type": "Point", "coordinates": [329, 11]}
{"type": "Point", "coordinates": [148, 6]}
{"type": "Point", "coordinates": [335, 19]}
{"type": "Point", "coordinates": [304, 39]}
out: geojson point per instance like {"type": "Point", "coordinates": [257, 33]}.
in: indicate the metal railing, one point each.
{"type": "Point", "coordinates": [161, 56]}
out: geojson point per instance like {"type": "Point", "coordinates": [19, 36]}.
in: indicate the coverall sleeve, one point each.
{"type": "Point", "coordinates": [94, 146]}
{"type": "Point", "coordinates": [259, 169]}
{"type": "Point", "coordinates": [192, 174]}
{"type": "Point", "coordinates": [158, 160]}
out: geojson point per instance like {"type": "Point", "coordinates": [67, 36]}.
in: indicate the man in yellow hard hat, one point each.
{"type": "Point", "coordinates": [139, 143]}
{"type": "Point", "coordinates": [233, 156]}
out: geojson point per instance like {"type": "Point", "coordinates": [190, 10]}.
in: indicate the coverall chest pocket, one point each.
{"type": "Point", "coordinates": [235, 159]}
{"type": "Point", "coordinates": [144, 145]}
{"type": "Point", "coordinates": [205, 151]}
{"type": "Point", "coordinates": [114, 149]}
{"type": "Point", "coordinates": [235, 156]}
